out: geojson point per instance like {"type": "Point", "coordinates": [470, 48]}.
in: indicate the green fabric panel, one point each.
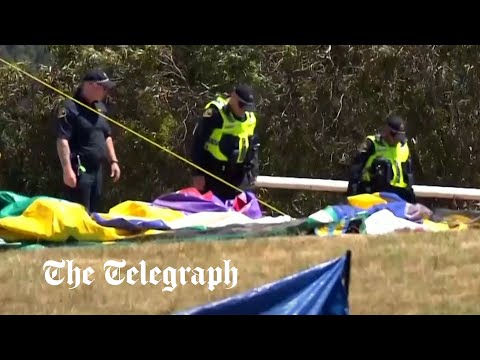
{"type": "Point", "coordinates": [12, 204]}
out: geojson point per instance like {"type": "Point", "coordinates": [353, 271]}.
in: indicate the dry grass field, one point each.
{"type": "Point", "coordinates": [415, 273]}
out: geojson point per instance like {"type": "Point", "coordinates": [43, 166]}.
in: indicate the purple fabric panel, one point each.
{"type": "Point", "coordinates": [188, 203]}
{"type": "Point", "coordinates": [194, 204]}
{"type": "Point", "coordinates": [251, 209]}
{"type": "Point", "coordinates": [130, 224]}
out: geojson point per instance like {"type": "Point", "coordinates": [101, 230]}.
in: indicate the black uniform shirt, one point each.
{"type": "Point", "coordinates": [85, 130]}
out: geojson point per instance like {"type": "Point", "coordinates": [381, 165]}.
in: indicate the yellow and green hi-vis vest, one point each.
{"type": "Point", "coordinates": [241, 130]}
{"type": "Point", "coordinates": [396, 155]}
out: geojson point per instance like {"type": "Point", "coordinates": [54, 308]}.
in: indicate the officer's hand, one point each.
{"type": "Point", "coordinates": [199, 182]}
{"type": "Point", "coordinates": [247, 167]}
{"type": "Point", "coordinates": [352, 189]}
{"type": "Point", "coordinates": [70, 178]}
{"type": "Point", "coordinates": [115, 172]}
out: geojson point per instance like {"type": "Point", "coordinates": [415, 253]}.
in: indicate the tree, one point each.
{"type": "Point", "coordinates": [316, 103]}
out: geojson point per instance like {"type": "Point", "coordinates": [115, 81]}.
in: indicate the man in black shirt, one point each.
{"type": "Point", "coordinates": [84, 141]}
{"type": "Point", "coordinates": [225, 144]}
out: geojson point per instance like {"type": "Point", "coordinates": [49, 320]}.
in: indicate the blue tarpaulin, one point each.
{"type": "Point", "coordinates": [321, 290]}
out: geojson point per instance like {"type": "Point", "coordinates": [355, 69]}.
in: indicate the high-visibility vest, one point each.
{"type": "Point", "coordinates": [396, 155]}
{"type": "Point", "coordinates": [240, 130]}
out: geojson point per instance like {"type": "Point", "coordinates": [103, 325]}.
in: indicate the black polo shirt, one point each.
{"type": "Point", "coordinates": [85, 130]}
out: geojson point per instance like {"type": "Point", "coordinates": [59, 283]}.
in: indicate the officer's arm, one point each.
{"type": "Point", "coordinates": [252, 163]}
{"type": "Point", "coordinates": [409, 171]}
{"type": "Point", "coordinates": [365, 150]}
{"type": "Point", "coordinates": [112, 157]}
{"type": "Point", "coordinates": [205, 125]}
{"type": "Point", "coordinates": [64, 134]}
{"type": "Point", "coordinates": [407, 168]}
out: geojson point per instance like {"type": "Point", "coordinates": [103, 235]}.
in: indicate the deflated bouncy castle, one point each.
{"type": "Point", "coordinates": [187, 215]}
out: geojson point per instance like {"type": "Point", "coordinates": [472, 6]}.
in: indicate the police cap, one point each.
{"type": "Point", "coordinates": [246, 97]}
{"type": "Point", "coordinates": [397, 127]}
{"type": "Point", "coordinates": [100, 77]}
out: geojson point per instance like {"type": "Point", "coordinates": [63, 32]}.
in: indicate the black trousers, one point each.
{"type": "Point", "coordinates": [224, 192]}
{"type": "Point", "coordinates": [88, 191]}
{"type": "Point", "coordinates": [406, 194]}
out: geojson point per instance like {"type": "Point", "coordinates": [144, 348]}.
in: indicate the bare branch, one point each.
{"type": "Point", "coordinates": [340, 109]}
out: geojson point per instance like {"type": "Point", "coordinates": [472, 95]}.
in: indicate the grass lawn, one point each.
{"type": "Point", "coordinates": [414, 273]}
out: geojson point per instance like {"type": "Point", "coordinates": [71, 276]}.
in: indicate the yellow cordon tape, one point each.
{"type": "Point", "coordinates": [133, 132]}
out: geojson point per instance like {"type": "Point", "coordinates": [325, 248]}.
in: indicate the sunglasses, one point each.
{"type": "Point", "coordinates": [105, 88]}
{"type": "Point", "coordinates": [242, 105]}
{"type": "Point", "coordinates": [396, 134]}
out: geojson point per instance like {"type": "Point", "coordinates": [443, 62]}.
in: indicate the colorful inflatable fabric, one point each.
{"type": "Point", "coordinates": [188, 214]}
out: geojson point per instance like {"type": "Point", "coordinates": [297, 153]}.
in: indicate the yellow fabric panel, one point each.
{"type": "Point", "coordinates": [324, 230]}
{"type": "Point", "coordinates": [140, 209]}
{"type": "Point", "coordinates": [444, 226]}
{"type": "Point", "coordinates": [366, 201]}
{"type": "Point", "coordinates": [58, 220]}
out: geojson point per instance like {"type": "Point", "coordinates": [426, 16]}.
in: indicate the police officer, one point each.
{"type": "Point", "coordinates": [84, 141]}
{"type": "Point", "coordinates": [383, 163]}
{"type": "Point", "coordinates": [225, 144]}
